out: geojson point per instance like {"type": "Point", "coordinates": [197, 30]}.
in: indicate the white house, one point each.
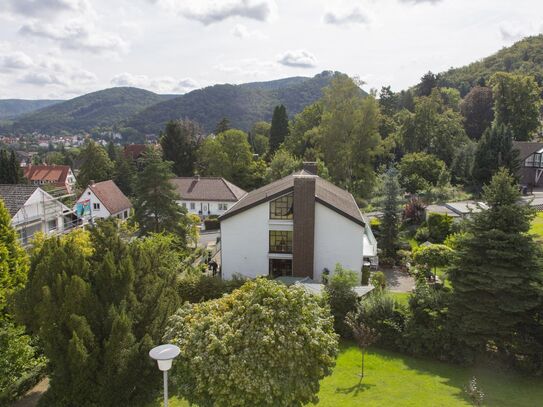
{"type": "Point", "coordinates": [102, 200]}
{"type": "Point", "coordinates": [299, 226]}
{"type": "Point", "coordinates": [34, 210]}
{"type": "Point", "coordinates": [206, 196]}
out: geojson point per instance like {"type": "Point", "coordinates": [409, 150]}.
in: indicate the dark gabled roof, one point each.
{"type": "Point", "coordinates": [111, 196]}
{"type": "Point", "coordinates": [527, 148]}
{"type": "Point", "coordinates": [326, 193]}
{"type": "Point", "coordinates": [207, 189]}
{"type": "Point", "coordinates": [15, 196]}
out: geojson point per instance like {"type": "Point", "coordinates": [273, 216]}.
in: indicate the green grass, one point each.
{"type": "Point", "coordinates": [392, 379]}
{"type": "Point", "coordinates": [402, 298]}
{"type": "Point", "coordinates": [537, 226]}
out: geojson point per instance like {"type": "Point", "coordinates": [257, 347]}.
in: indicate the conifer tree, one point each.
{"type": "Point", "coordinates": [391, 213]}
{"type": "Point", "coordinates": [98, 313]}
{"type": "Point", "coordinates": [13, 260]}
{"type": "Point", "coordinates": [10, 170]}
{"type": "Point", "coordinates": [124, 174]}
{"type": "Point", "coordinates": [179, 142]}
{"type": "Point", "coordinates": [496, 270]}
{"type": "Point", "coordinates": [279, 128]}
{"type": "Point", "coordinates": [155, 206]}
{"type": "Point", "coordinates": [494, 150]}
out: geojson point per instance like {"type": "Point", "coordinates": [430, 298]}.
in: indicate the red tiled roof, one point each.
{"type": "Point", "coordinates": [50, 173]}
{"type": "Point", "coordinates": [111, 196]}
{"type": "Point", "coordinates": [207, 189]}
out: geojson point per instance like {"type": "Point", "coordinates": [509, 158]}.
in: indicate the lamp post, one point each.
{"type": "Point", "coordinates": [164, 355]}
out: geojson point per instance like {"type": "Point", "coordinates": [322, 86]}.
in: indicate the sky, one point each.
{"type": "Point", "coordinates": [65, 48]}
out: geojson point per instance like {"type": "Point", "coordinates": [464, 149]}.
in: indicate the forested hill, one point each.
{"type": "Point", "coordinates": [10, 108]}
{"type": "Point", "coordinates": [243, 105]}
{"type": "Point", "coordinates": [104, 108]}
{"type": "Point", "coordinates": [525, 56]}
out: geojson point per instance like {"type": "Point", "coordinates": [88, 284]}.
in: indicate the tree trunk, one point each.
{"type": "Point", "coordinates": [362, 367]}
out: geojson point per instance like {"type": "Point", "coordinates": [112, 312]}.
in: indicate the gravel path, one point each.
{"type": "Point", "coordinates": [30, 399]}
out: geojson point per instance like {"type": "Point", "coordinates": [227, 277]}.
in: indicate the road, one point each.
{"type": "Point", "coordinates": [208, 237]}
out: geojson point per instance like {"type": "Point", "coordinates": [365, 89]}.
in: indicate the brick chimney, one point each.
{"type": "Point", "coordinates": [310, 167]}
{"type": "Point", "coordinates": [303, 236]}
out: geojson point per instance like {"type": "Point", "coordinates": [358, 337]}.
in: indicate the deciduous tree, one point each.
{"type": "Point", "coordinates": [96, 165]}
{"type": "Point", "coordinates": [263, 345]}
{"type": "Point", "coordinates": [478, 112]}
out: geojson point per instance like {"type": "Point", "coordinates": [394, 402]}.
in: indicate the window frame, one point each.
{"type": "Point", "coordinates": [286, 207]}
{"type": "Point", "coordinates": [275, 236]}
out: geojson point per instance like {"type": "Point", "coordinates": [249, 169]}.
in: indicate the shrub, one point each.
{"type": "Point", "coordinates": [378, 280]}
{"type": "Point", "coordinates": [342, 298]}
{"type": "Point", "coordinates": [211, 224]}
{"type": "Point", "coordinates": [382, 313]}
{"type": "Point", "coordinates": [197, 287]}
{"type": "Point", "coordinates": [439, 227]}
{"type": "Point", "coordinates": [422, 234]}
{"type": "Point", "coordinates": [262, 345]}
{"type": "Point", "coordinates": [366, 275]}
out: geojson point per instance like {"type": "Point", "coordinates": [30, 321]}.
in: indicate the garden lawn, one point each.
{"type": "Point", "coordinates": [392, 379]}
{"type": "Point", "coordinates": [537, 226]}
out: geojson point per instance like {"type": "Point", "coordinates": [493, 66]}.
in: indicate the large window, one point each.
{"type": "Point", "coordinates": [281, 208]}
{"type": "Point", "coordinates": [280, 241]}
{"type": "Point", "coordinates": [280, 267]}
{"type": "Point", "coordinates": [535, 160]}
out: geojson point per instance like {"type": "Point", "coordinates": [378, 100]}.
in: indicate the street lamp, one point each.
{"type": "Point", "coordinates": [164, 355]}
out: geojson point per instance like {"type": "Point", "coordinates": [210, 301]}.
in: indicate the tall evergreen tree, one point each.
{"type": "Point", "coordinates": [10, 170]}
{"type": "Point", "coordinates": [13, 260]}
{"type": "Point", "coordinates": [112, 151]}
{"type": "Point", "coordinates": [391, 213]}
{"type": "Point", "coordinates": [494, 150]}
{"type": "Point", "coordinates": [156, 209]}
{"type": "Point", "coordinates": [496, 271]}
{"type": "Point", "coordinates": [96, 164]}
{"type": "Point", "coordinates": [279, 128]}
{"type": "Point", "coordinates": [179, 143]}
{"type": "Point", "coordinates": [124, 174]}
{"type": "Point", "coordinates": [98, 312]}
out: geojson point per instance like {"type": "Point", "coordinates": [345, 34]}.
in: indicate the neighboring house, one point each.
{"type": "Point", "coordinates": [59, 176]}
{"type": "Point", "coordinates": [531, 163]}
{"type": "Point", "coordinates": [102, 200]}
{"type": "Point", "coordinates": [134, 151]}
{"type": "Point", "coordinates": [457, 210]}
{"type": "Point", "coordinates": [300, 226]}
{"type": "Point", "coordinates": [206, 196]}
{"type": "Point", "coordinates": [34, 210]}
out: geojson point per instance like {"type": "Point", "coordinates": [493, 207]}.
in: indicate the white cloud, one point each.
{"type": "Point", "coordinates": [43, 8]}
{"type": "Point", "coordinates": [420, 1]}
{"type": "Point", "coordinates": [75, 35]}
{"type": "Point", "coordinates": [15, 60]}
{"type": "Point", "coordinates": [298, 58]}
{"type": "Point", "coordinates": [353, 16]}
{"type": "Point", "coordinates": [212, 12]}
{"type": "Point", "coordinates": [241, 31]}
{"type": "Point", "coordinates": [42, 78]}
{"type": "Point", "coordinates": [512, 32]}
{"type": "Point", "coordinates": [162, 84]}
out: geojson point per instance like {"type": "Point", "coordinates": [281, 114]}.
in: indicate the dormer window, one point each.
{"type": "Point", "coordinates": [281, 208]}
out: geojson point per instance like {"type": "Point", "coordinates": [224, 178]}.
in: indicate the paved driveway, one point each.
{"type": "Point", "coordinates": [398, 281]}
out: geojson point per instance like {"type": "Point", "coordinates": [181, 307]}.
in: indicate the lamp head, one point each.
{"type": "Point", "coordinates": [164, 354]}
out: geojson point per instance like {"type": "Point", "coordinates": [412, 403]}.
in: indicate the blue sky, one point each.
{"type": "Point", "coordinates": [64, 48]}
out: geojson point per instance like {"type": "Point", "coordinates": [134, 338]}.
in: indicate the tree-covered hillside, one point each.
{"type": "Point", "coordinates": [103, 108]}
{"type": "Point", "coordinates": [525, 56]}
{"type": "Point", "coordinates": [243, 105]}
{"type": "Point", "coordinates": [10, 108]}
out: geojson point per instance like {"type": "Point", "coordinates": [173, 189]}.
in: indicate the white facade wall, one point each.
{"type": "Point", "coordinates": [203, 207]}
{"type": "Point", "coordinates": [337, 240]}
{"type": "Point", "coordinates": [40, 213]}
{"type": "Point", "coordinates": [245, 242]}
{"type": "Point", "coordinates": [100, 212]}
